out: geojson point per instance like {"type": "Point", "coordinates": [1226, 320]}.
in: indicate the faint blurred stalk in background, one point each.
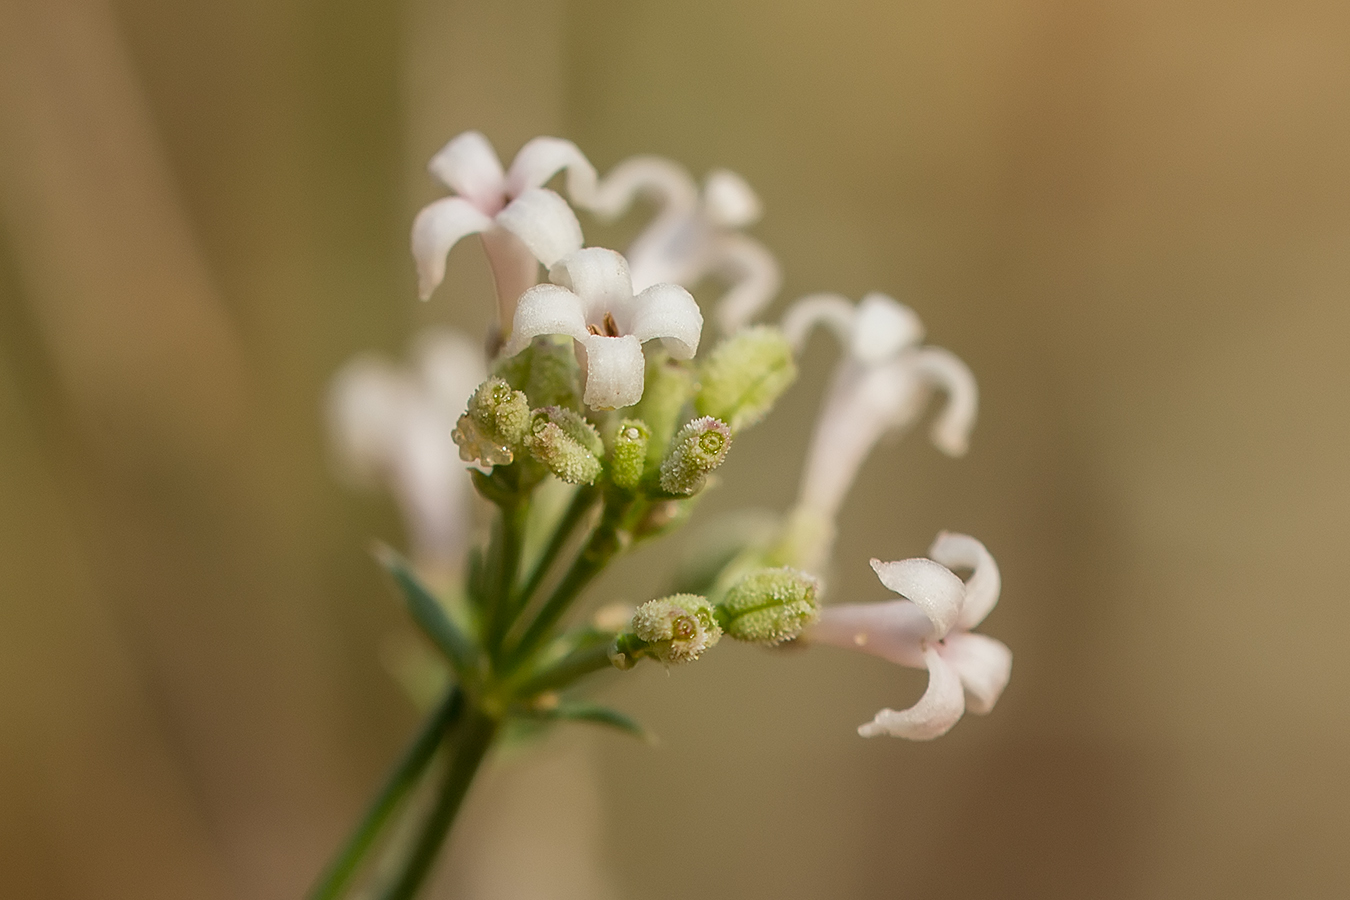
{"type": "Point", "coordinates": [598, 428]}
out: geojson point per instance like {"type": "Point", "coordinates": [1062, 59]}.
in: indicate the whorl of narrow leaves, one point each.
{"type": "Point", "coordinates": [697, 449]}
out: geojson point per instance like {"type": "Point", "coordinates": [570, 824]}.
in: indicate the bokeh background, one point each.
{"type": "Point", "coordinates": [1130, 217]}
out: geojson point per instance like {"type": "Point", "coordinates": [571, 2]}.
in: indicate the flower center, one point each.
{"type": "Point", "coordinates": [610, 328]}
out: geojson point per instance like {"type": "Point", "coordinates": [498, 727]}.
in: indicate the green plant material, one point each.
{"type": "Point", "coordinates": [700, 447]}
{"type": "Point", "coordinates": [676, 629]}
{"type": "Point", "coordinates": [431, 616]}
{"type": "Point", "coordinates": [492, 429]}
{"type": "Point", "coordinates": [770, 606]}
{"type": "Point", "coordinates": [566, 444]}
{"type": "Point", "coordinates": [546, 371]}
{"type": "Point", "coordinates": [668, 388]}
{"type": "Point", "coordinates": [628, 454]}
{"type": "Point", "coordinates": [745, 375]}
{"type": "Point", "coordinates": [574, 711]}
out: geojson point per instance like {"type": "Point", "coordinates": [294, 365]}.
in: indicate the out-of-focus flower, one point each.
{"type": "Point", "coordinates": [931, 629]}
{"type": "Point", "coordinates": [882, 384]}
{"type": "Point", "coordinates": [521, 222]}
{"type": "Point", "coordinates": [695, 234]}
{"type": "Point", "coordinates": [393, 425]}
{"type": "Point", "coordinates": [592, 301]}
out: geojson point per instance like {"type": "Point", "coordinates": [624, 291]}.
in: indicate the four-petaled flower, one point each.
{"type": "Point", "coordinates": [695, 234]}
{"type": "Point", "coordinates": [521, 222]}
{"type": "Point", "coordinates": [932, 630]}
{"type": "Point", "coordinates": [592, 301]}
{"type": "Point", "coordinates": [883, 384]}
{"type": "Point", "coordinates": [393, 425]}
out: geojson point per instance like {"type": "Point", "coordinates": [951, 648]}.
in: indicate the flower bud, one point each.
{"type": "Point", "coordinates": [676, 629]}
{"type": "Point", "coordinates": [745, 376]}
{"type": "Point", "coordinates": [547, 372]}
{"type": "Point", "coordinates": [770, 606]}
{"type": "Point", "coordinates": [700, 447]}
{"type": "Point", "coordinates": [628, 456]}
{"type": "Point", "coordinates": [566, 444]}
{"type": "Point", "coordinates": [496, 422]}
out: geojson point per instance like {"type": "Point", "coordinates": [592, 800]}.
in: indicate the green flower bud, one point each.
{"type": "Point", "coordinates": [676, 629]}
{"type": "Point", "coordinates": [770, 606]}
{"type": "Point", "coordinates": [566, 444]}
{"type": "Point", "coordinates": [669, 385]}
{"type": "Point", "coordinates": [492, 429]}
{"type": "Point", "coordinates": [700, 447]}
{"type": "Point", "coordinates": [745, 375]}
{"type": "Point", "coordinates": [628, 456]}
{"type": "Point", "coordinates": [547, 372]}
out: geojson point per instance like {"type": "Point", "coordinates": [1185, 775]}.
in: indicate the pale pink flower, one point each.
{"type": "Point", "coordinates": [695, 234]}
{"type": "Point", "coordinates": [931, 629]}
{"type": "Point", "coordinates": [522, 223]}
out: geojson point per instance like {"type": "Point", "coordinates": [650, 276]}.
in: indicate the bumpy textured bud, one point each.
{"type": "Point", "coordinates": [547, 372]}
{"type": "Point", "coordinates": [770, 606]}
{"type": "Point", "coordinates": [492, 429]}
{"type": "Point", "coordinates": [676, 629]}
{"type": "Point", "coordinates": [700, 447]}
{"type": "Point", "coordinates": [566, 444]}
{"type": "Point", "coordinates": [669, 386]}
{"type": "Point", "coordinates": [745, 375]}
{"type": "Point", "coordinates": [628, 456]}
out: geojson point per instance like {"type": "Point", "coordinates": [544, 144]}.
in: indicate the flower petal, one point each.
{"type": "Point", "coordinates": [882, 327]}
{"type": "Point", "coordinates": [614, 371]}
{"type": "Point", "coordinates": [544, 222]}
{"type": "Point", "coordinates": [951, 431]}
{"type": "Point", "coordinates": [983, 665]}
{"type": "Point", "coordinates": [729, 201]}
{"type": "Point", "coordinates": [894, 630]}
{"type": "Point", "coordinates": [669, 312]}
{"type": "Point", "coordinates": [937, 711]}
{"type": "Point", "coordinates": [754, 275]}
{"type": "Point", "coordinates": [546, 309]}
{"type": "Point", "coordinates": [932, 586]}
{"type": "Point", "coordinates": [660, 179]}
{"type": "Point", "coordinates": [542, 158]}
{"type": "Point", "coordinates": [831, 310]}
{"type": "Point", "coordinates": [961, 551]}
{"type": "Point", "coordinates": [469, 165]}
{"type": "Point", "coordinates": [367, 401]}
{"type": "Point", "coordinates": [451, 366]}
{"type": "Point", "coordinates": [600, 278]}
{"type": "Point", "coordinates": [437, 228]}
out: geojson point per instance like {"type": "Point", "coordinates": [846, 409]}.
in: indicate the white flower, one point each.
{"type": "Point", "coordinates": [393, 425]}
{"type": "Point", "coordinates": [592, 301]}
{"type": "Point", "coordinates": [882, 384]}
{"type": "Point", "coordinates": [522, 223]}
{"type": "Point", "coordinates": [694, 235]}
{"type": "Point", "coordinates": [932, 630]}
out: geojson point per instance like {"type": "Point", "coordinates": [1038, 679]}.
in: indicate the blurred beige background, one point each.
{"type": "Point", "coordinates": [1132, 219]}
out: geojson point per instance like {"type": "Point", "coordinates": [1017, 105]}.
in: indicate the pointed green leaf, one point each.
{"type": "Point", "coordinates": [427, 611]}
{"type": "Point", "coordinates": [598, 715]}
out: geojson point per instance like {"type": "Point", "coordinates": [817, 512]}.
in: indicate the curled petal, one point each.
{"type": "Point", "coordinates": [650, 176]}
{"type": "Point", "coordinates": [614, 371]}
{"type": "Point", "coordinates": [755, 279]}
{"type": "Point", "coordinates": [937, 711]}
{"type": "Point", "coordinates": [544, 223]}
{"type": "Point", "coordinates": [894, 630]}
{"type": "Point", "coordinates": [669, 312]}
{"type": "Point", "coordinates": [932, 586]}
{"type": "Point", "coordinates": [961, 551]}
{"type": "Point", "coordinates": [599, 277]}
{"type": "Point", "coordinates": [542, 158]}
{"type": "Point", "coordinates": [831, 310]}
{"type": "Point", "coordinates": [729, 201]}
{"type": "Point", "coordinates": [469, 165]}
{"type": "Point", "coordinates": [451, 366]}
{"type": "Point", "coordinates": [367, 403]}
{"type": "Point", "coordinates": [882, 327]}
{"type": "Point", "coordinates": [546, 309]}
{"type": "Point", "coordinates": [951, 431]}
{"type": "Point", "coordinates": [432, 488]}
{"type": "Point", "coordinates": [438, 227]}
{"type": "Point", "coordinates": [983, 664]}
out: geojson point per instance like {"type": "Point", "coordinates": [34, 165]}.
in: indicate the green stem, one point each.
{"type": "Point", "coordinates": [582, 661]}
{"type": "Point", "coordinates": [400, 780]}
{"type": "Point", "coordinates": [510, 540]}
{"type": "Point", "coordinates": [576, 511]}
{"type": "Point", "coordinates": [471, 746]}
